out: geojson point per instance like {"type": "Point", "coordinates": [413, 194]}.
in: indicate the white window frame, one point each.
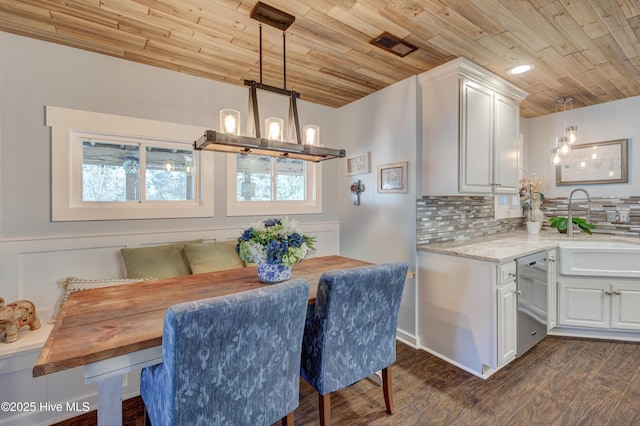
{"type": "Point", "coordinates": [312, 204]}
{"type": "Point", "coordinates": [66, 166]}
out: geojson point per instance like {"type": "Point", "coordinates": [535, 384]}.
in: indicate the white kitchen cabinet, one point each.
{"type": "Point", "coordinates": [583, 303]}
{"type": "Point", "coordinates": [470, 131]}
{"type": "Point", "coordinates": [599, 302]}
{"type": "Point", "coordinates": [467, 311]}
{"type": "Point", "coordinates": [552, 292]}
{"type": "Point", "coordinates": [507, 313]}
{"type": "Point", "coordinates": [506, 179]}
{"type": "Point", "coordinates": [625, 305]}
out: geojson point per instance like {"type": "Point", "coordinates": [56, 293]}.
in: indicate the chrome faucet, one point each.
{"type": "Point", "coordinates": [570, 215]}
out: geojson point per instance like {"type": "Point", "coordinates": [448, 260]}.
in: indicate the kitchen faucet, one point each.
{"type": "Point", "coordinates": [570, 215]}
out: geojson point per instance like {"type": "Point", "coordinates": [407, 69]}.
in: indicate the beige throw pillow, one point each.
{"type": "Point", "coordinates": [164, 261]}
{"type": "Point", "coordinates": [210, 257]}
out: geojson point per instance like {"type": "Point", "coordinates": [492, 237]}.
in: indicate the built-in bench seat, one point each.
{"type": "Point", "coordinates": [34, 269]}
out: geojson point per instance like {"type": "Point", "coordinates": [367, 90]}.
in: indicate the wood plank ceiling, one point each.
{"type": "Point", "coordinates": [585, 49]}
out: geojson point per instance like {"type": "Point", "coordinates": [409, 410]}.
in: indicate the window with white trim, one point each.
{"type": "Point", "coordinates": [261, 185]}
{"type": "Point", "coordinates": [113, 167]}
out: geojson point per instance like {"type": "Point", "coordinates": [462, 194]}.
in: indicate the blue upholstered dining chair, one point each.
{"type": "Point", "coordinates": [231, 360]}
{"type": "Point", "coordinates": [351, 333]}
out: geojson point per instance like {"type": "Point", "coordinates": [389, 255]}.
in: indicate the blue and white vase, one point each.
{"type": "Point", "coordinates": [271, 273]}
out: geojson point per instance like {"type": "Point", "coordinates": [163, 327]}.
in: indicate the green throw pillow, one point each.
{"type": "Point", "coordinates": [210, 257]}
{"type": "Point", "coordinates": [164, 261]}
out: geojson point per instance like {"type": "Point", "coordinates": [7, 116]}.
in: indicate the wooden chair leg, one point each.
{"type": "Point", "coordinates": [325, 409]}
{"type": "Point", "coordinates": [288, 420]}
{"type": "Point", "coordinates": [147, 420]}
{"type": "Point", "coordinates": [387, 389]}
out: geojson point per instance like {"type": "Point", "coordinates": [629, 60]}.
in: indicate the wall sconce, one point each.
{"type": "Point", "coordinates": [356, 189]}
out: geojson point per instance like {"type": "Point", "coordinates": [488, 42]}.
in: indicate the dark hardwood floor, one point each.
{"type": "Point", "coordinates": [561, 381]}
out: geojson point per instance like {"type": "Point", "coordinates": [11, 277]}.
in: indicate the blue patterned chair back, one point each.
{"type": "Point", "coordinates": [232, 360]}
{"type": "Point", "coordinates": [352, 332]}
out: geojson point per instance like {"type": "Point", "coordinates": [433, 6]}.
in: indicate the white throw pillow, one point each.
{"type": "Point", "coordinates": [72, 284]}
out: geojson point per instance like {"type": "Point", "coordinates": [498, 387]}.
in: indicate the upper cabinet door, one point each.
{"type": "Point", "coordinates": [505, 145]}
{"type": "Point", "coordinates": [476, 136]}
{"type": "Point", "coordinates": [470, 134]}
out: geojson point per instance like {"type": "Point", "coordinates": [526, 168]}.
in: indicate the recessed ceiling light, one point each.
{"type": "Point", "coordinates": [521, 69]}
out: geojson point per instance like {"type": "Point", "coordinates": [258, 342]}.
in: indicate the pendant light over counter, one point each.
{"type": "Point", "coordinates": [303, 146]}
{"type": "Point", "coordinates": [563, 143]}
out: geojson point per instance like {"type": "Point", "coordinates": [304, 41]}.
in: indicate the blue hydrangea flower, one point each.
{"type": "Point", "coordinates": [274, 241]}
{"type": "Point", "coordinates": [296, 240]}
{"type": "Point", "coordinates": [272, 222]}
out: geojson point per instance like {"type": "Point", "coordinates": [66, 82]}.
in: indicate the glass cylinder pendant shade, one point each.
{"type": "Point", "coordinates": [273, 127]}
{"type": "Point", "coordinates": [565, 147]}
{"type": "Point", "coordinates": [311, 135]}
{"type": "Point", "coordinates": [230, 121]}
{"type": "Point", "coordinates": [571, 132]}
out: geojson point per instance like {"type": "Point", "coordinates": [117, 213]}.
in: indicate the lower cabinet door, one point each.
{"type": "Point", "coordinates": [582, 303]}
{"type": "Point", "coordinates": [507, 323]}
{"type": "Point", "coordinates": [625, 306]}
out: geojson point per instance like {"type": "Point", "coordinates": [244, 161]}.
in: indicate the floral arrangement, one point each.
{"type": "Point", "coordinates": [531, 185]}
{"type": "Point", "coordinates": [274, 241]}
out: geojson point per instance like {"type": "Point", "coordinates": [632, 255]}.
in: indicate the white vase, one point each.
{"type": "Point", "coordinates": [536, 214]}
{"type": "Point", "coordinates": [533, 227]}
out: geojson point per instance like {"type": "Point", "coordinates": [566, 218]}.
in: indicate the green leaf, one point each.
{"type": "Point", "coordinates": [561, 224]}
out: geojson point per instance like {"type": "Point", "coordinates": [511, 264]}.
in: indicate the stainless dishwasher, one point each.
{"type": "Point", "coordinates": [532, 300]}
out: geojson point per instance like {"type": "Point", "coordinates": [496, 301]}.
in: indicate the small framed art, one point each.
{"type": "Point", "coordinates": [358, 164]}
{"type": "Point", "coordinates": [392, 178]}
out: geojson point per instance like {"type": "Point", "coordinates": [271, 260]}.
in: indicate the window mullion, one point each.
{"type": "Point", "coordinates": [274, 178]}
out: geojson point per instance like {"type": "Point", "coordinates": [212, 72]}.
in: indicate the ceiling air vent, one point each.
{"type": "Point", "coordinates": [394, 44]}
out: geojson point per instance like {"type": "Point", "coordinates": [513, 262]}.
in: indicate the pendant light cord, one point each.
{"type": "Point", "coordinates": [284, 60]}
{"type": "Point", "coordinates": [260, 52]}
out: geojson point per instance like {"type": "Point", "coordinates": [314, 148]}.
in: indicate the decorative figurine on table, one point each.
{"type": "Point", "coordinates": [15, 316]}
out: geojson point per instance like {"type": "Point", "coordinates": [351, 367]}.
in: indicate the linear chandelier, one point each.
{"type": "Point", "coordinates": [228, 138]}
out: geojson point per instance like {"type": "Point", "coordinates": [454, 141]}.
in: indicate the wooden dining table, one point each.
{"type": "Point", "coordinates": [114, 330]}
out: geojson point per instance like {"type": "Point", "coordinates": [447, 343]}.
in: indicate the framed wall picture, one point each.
{"type": "Point", "coordinates": [590, 163]}
{"type": "Point", "coordinates": [358, 164]}
{"type": "Point", "coordinates": [392, 178]}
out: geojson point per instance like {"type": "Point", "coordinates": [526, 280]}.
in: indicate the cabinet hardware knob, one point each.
{"type": "Point", "coordinates": [517, 292]}
{"type": "Point", "coordinates": [617, 293]}
{"type": "Point", "coordinates": [512, 275]}
{"type": "Point", "coordinates": [608, 293]}
{"type": "Point", "coordinates": [552, 260]}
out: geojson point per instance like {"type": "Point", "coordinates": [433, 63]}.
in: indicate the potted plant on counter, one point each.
{"type": "Point", "coordinates": [561, 223]}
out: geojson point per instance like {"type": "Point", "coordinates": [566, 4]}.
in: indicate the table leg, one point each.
{"type": "Point", "coordinates": [110, 401]}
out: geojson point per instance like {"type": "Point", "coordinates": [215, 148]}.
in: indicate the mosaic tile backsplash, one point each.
{"type": "Point", "coordinates": [445, 218]}
{"type": "Point", "coordinates": [552, 207]}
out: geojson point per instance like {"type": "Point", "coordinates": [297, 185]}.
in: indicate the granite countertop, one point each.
{"type": "Point", "coordinates": [506, 247]}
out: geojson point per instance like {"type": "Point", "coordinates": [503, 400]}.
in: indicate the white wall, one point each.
{"type": "Point", "coordinates": [598, 123]}
{"type": "Point", "coordinates": [34, 73]}
{"type": "Point", "coordinates": [382, 228]}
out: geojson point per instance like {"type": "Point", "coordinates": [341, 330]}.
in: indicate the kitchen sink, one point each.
{"type": "Point", "coordinates": [599, 258]}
